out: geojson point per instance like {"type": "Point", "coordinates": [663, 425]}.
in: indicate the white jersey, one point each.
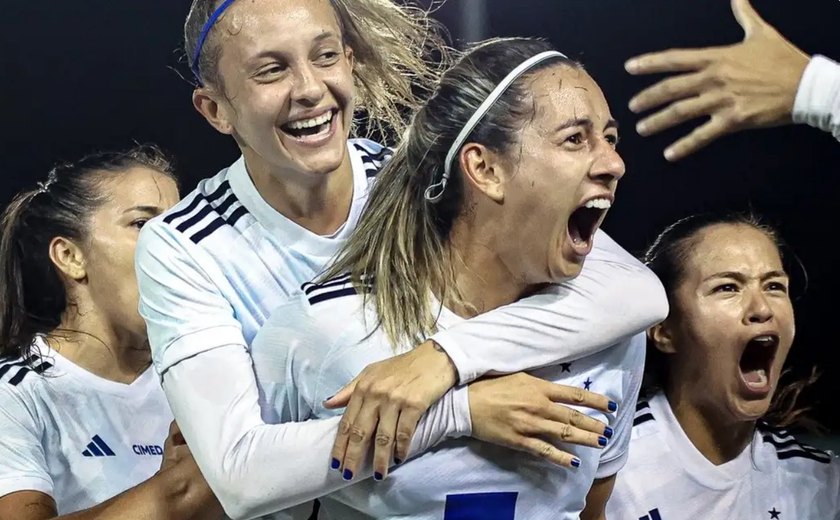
{"type": "Point", "coordinates": [74, 436]}
{"type": "Point", "coordinates": [667, 478]}
{"type": "Point", "coordinates": [213, 267]}
{"type": "Point", "coordinates": [817, 100]}
{"type": "Point", "coordinates": [320, 340]}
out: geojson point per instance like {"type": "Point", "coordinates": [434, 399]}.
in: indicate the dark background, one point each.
{"type": "Point", "coordinates": [99, 74]}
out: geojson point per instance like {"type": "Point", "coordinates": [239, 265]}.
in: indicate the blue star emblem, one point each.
{"type": "Point", "coordinates": [774, 514]}
{"type": "Point", "coordinates": [587, 384]}
{"type": "Point", "coordinates": [565, 367]}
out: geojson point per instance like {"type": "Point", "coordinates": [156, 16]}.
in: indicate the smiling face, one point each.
{"type": "Point", "coordinates": [287, 94]}
{"type": "Point", "coordinates": [560, 178]}
{"type": "Point", "coordinates": [731, 325]}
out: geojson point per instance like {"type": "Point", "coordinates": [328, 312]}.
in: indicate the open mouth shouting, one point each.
{"type": "Point", "coordinates": [585, 220]}
{"type": "Point", "coordinates": [756, 363]}
{"type": "Point", "coordinates": [312, 130]}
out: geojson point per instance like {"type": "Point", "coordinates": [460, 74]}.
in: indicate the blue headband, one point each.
{"type": "Point", "coordinates": [203, 36]}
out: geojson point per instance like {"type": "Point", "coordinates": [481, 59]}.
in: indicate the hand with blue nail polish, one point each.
{"type": "Point", "coordinates": [528, 414]}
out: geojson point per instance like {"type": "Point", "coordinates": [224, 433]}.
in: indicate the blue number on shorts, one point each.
{"type": "Point", "coordinates": [481, 506]}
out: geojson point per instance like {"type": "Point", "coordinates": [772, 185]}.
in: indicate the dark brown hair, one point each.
{"type": "Point", "coordinates": [32, 294]}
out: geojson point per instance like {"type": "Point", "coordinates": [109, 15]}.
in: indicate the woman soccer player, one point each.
{"type": "Point", "coordinates": [706, 442]}
{"type": "Point", "coordinates": [84, 422]}
{"type": "Point", "coordinates": [496, 192]}
{"type": "Point", "coordinates": [283, 78]}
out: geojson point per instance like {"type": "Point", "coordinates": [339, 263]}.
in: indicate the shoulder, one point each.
{"type": "Point", "coordinates": [23, 383]}
{"type": "Point", "coordinates": [807, 472]}
{"type": "Point", "coordinates": [791, 452]}
{"type": "Point", "coordinates": [317, 314]}
{"type": "Point", "coordinates": [210, 207]}
{"type": "Point", "coordinates": [645, 422]}
{"type": "Point", "coordinates": [25, 374]}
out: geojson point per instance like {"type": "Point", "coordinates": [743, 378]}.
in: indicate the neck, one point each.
{"type": "Point", "coordinates": [718, 438]}
{"type": "Point", "coordinates": [481, 276]}
{"type": "Point", "coordinates": [320, 203]}
{"type": "Point", "coordinates": [86, 339]}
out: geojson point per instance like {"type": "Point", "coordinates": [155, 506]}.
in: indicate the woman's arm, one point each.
{"type": "Point", "coordinates": [596, 499]}
{"type": "Point", "coordinates": [818, 96]}
{"type": "Point", "coordinates": [178, 493]}
{"type": "Point", "coordinates": [256, 468]}
{"type": "Point", "coordinates": [614, 297]}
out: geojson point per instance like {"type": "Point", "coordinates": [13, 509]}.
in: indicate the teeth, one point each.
{"type": "Point", "coordinates": [309, 123]}
{"type": "Point", "coordinates": [598, 204]}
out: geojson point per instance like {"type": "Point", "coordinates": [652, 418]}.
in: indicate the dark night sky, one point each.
{"type": "Point", "coordinates": [80, 76]}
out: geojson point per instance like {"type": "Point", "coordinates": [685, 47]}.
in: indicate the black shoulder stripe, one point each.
{"type": "Point", "coordinates": [22, 362]}
{"type": "Point", "coordinates": [195, 219]}
{"type": "Point", "coordinates": [331, 295]}
{"type": "Point", "coordinates": [22, 373]}
{"type": "Point", "coordinates": [798, 449]}
{"type": "Point", "coordinates": [643, 419]}
{"type": "Point", "coordinates": [310, 287]}
{"type": "Point", "coordinates": [641, 405]}
{"type": "Point", "coordinates": [208, 208]}
{"type": "Point", "coordinates": [191, 206]}
{"type": "Point", "coordinates": [821, 457]}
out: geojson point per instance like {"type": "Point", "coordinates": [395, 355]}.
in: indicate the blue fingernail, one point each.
{"type": "Point", "coordinates": [576, 462]}
{"type": "Point", "coordinates": [328, 398]}
{"type": "Point", "coordinates": [613, 406]}
{"type": "Point", "coordinates": [397, 461]}
{"type": "Point", "coordinates": [377, 476]}
{"type": "Point", "coordinates": [602, 441]}
{"type": "Point", "coordinates": [335, 464]}
{"type": "Point", "coordinates": [608, 432]}
{"type": "Point", "coordinates": [347, 475]}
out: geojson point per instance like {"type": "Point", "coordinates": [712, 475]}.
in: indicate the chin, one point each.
{"type": "Point", "coordinates": [745, 410]}
{"type": "Point", "coordinates": [565, 269]}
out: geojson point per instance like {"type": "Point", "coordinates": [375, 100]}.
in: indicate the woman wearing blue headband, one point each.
{"type": "Point", "coordinates": [283, 78]}
{"type": "Point", "coordinates": [496, 192]}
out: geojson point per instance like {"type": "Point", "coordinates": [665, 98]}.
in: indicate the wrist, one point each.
{"type": "Point", "coordinates": [442, 363]}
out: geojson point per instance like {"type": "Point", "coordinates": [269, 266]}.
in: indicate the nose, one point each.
{"type": "Point", "coordinates": [308, 87]}
{"type": "Point", "coordinates": [608, 165]}
{"type": "Point", "coordinates": [758, 309]}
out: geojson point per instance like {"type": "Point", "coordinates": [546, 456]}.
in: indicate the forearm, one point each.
{"type": "Point", "coordinates": [255, 468]}
{"type": "Point", "coordinates": [168, 495]}
{"type": "Point", "coordinates": [614, 297]}
{"type": "Point", "coordinates": [818, 97]}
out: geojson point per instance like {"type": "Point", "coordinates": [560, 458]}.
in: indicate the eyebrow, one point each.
{"type": "Point", "coordinates": [741, 277]}
{"type": "Point", "coordinates": [584, 121]}
{"type": "Point", "coordinates": [153, 210]}
{"type": "Point", "coordinates": [324, 36]}
{"type": "Point", "coordinates": [270, 53]}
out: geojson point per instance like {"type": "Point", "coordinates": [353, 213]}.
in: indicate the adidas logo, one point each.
{"type": "Point", "coordinates": [97, 448]}
{"type": "Point", "coordinates": [652, 515]}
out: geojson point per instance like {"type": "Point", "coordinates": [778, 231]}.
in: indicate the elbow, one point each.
{"type": "Point", "coordinates": [236, 494]}
{"type": "Point", "coordinates": [233, 485]}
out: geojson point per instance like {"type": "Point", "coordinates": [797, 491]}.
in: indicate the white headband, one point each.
{"type": "Point", "coordinates": [465, 132]}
